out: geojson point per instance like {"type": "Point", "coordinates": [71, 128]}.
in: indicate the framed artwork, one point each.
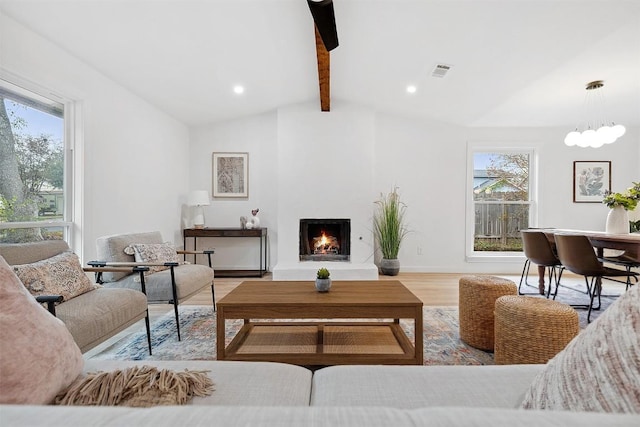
{"type": "Point", "coordinates": [230, 175]}
{"type": "Point", "coordinates": [591, 179]}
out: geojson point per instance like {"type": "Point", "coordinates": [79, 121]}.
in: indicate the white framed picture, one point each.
{"type": "Point", "coordinates": [230, 175]}
{"type": "Point", "coordinates": [591, 180]}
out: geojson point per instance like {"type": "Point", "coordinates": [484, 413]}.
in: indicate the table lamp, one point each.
{"type": "Point", "coordinates": [198, 198]}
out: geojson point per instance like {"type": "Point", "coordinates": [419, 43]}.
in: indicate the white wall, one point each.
{"type": "Point", "coordinates": [431, 173]}
{"type": "Point", "coordinates": [135, 156]}
{"type": "Point", "coordinates": [257, 136]}
{"type": "Point", "coordinates": [325, 171]}
{"type": "Point", "coordinates": [372, 152]}
{"type": "Point", "coordinates": [139, 165]}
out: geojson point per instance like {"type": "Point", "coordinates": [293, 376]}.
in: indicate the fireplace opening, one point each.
{"type": "Point", "coordinates": [325, 239]}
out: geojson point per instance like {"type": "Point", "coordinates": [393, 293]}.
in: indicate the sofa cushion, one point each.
{"type": "Point", "coordinates": [61, 274]}
{"type": "Point", "coordinates": [155, 252]}
{"type": "Point", "coordinates": [190, 278]}
{"type": "Point", "coordinates": [418, 386]}
{"type": "Point", "coordinates": [28, 252]}
{"type": "Point", "coordinates": [95, 316]}
{"type": "Point", "coordinates": [600, 369]}
{"type": "Point", "coordinates": [236, 383]}
{"type": "Point", "coordinates": [39, 355]}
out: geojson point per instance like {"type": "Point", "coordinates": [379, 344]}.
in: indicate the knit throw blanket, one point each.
{"type": "Point", "coordinates": [137, 387]}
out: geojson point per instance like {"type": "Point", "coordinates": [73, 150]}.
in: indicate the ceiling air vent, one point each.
{"type": "Point", "coordinates": [440, 70]}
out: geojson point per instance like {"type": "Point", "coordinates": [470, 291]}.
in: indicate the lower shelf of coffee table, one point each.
{"type": "Point", "coordinates": [323, 343]}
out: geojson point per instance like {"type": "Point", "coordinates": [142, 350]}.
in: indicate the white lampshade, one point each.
{"type": "Point", "coordinates": [619, 130]}
{"type": "Point", "coordinates": [594, 114]}
{"type": "Point", "coordinates": [199, 198]}
{"type": "Point", "coordinates": [572, 138]}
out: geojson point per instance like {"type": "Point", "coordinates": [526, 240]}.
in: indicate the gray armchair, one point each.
{"type": "Point", "coordinates": [94, 316]}
{"type": "Point", "coordinates": [173, 285]}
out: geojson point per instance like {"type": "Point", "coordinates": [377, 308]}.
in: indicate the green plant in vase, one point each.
{"type": "Point", "coordinates": [389, 229]}
{"type": "Point", "coordinates": [323, 282]}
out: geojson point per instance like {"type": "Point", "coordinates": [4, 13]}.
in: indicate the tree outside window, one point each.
{"type": "Point", "coordinates": [31, 166]}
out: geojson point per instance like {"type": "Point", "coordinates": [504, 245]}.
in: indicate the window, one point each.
{"type": "Point", "coordinates": [501, 200]}
{"type": "Point", "coordinates": [35, 167]}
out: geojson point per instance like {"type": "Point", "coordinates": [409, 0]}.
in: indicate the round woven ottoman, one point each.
{"type": "Point", "coordinates": [532, 330]}
{"type": "Point", "coordinates": [477, 297]}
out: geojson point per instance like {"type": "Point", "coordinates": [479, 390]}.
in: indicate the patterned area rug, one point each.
{"type": "Point", "coordinates": [573, 292]}
{"type": "Point", "coordinates": [442, 345]}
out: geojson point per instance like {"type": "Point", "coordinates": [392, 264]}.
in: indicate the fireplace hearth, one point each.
{"type": "Point", "coordinates": [325, 239]}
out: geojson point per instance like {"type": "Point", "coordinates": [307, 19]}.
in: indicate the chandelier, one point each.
{"type": "Point", "coordinates": [596, 131]}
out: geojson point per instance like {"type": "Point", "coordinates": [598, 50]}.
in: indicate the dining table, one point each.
{"type": "Point", "coordinates": [627, 245]}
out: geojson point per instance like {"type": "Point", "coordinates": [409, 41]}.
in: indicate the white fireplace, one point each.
{"type": "Point", "coordinates": [325, 159]}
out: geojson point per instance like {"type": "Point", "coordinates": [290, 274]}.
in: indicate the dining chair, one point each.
{"type": "Point", "coordinates": [578, 256]}
{"type": "Point", "coordinates": [538, 250]}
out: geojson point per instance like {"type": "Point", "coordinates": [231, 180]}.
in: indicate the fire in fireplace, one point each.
{"type": "Point", "coordinates": [325, 239]}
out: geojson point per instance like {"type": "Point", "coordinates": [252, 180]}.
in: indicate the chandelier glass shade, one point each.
{"type": "Point", "coordinates": [596, 131]}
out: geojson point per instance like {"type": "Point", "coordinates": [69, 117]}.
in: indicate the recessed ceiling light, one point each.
{"type": "Point", "coordinates": [238, 89]}
{"type": "Point", "coordinates": [411, 89]}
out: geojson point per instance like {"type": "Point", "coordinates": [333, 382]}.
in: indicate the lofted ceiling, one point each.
{"type": "Point", "coordinates": [514, 62]}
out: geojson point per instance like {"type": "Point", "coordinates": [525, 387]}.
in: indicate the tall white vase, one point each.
{"type": "Point", "coordinates": [618, 221]}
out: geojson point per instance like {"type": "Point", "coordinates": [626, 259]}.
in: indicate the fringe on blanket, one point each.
{"type": "Point", "coordinates": [137, 387]}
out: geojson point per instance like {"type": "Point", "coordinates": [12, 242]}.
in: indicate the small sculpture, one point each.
{"type": "Point", "coordinates": [243, 222]}
{"type": "Point", "coordinates": [254, 220]}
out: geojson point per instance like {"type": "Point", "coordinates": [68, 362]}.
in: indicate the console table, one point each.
{"type": "Point", "coordinates": [259, 233]}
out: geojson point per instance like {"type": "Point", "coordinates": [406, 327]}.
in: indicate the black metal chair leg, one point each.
{"type": "Point", "coordinates": [175, 309]}
{"type": "Point", "coordinates": [553, 277]}
{"type": "Point", "coordinates": [525, 277]}
{"type": "Point", "coordinates": [213, 293]}
{"type": "Point", "coordinates": [175, 301]}
{"type": "Point", "coordinates": [525, 272]}
{"type": "Point", "coordinates": [596, 288]}
{"type": "Point", "coordinates": [213, 289]}
{"type": "Point", "coordinates": [143, 287]}
{"type": "Point", "coordinates": [146, 321]}
{"type": "Point", "coordinates": [558, 278]}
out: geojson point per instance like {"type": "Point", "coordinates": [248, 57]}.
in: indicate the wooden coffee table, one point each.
{"type": "Point", "coordinates": [270, 334]}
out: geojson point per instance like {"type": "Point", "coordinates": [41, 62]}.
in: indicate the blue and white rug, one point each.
{"type": "Point", "coordinates": [442, 345]}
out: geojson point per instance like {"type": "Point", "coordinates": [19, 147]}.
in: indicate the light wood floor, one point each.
{"type": "Point", "coordinates": [434, 289]}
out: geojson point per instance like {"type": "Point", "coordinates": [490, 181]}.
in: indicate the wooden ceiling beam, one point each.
{"type": "Point", "coordinates": [323, 73]}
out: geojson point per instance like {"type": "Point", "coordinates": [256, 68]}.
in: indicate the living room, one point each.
{"type": "Point", "coordinates": [130, 146]}
{"type": "Point", "coordinates": [137, 160]}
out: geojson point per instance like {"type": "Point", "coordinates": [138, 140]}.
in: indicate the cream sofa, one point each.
{"type": "Point", "coordinates": [594, 381]}
{"type": "Point", "coordinates": [273, 394]}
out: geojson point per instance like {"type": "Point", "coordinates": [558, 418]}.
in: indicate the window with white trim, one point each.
{"type": "Point", "coordinates": [500, 200]}
{"type": "Point", "coordinates": [36, 176]}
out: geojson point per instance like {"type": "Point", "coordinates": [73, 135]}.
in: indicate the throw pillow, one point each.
{"type": "Point", "coordinates": [39, 356]}
{"type": "Point", "coordinates": [600, 369]}
{"type": "Point", "coordinates": [155, 252]}
{"type": "Point", "coordinates": [59, 275]}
